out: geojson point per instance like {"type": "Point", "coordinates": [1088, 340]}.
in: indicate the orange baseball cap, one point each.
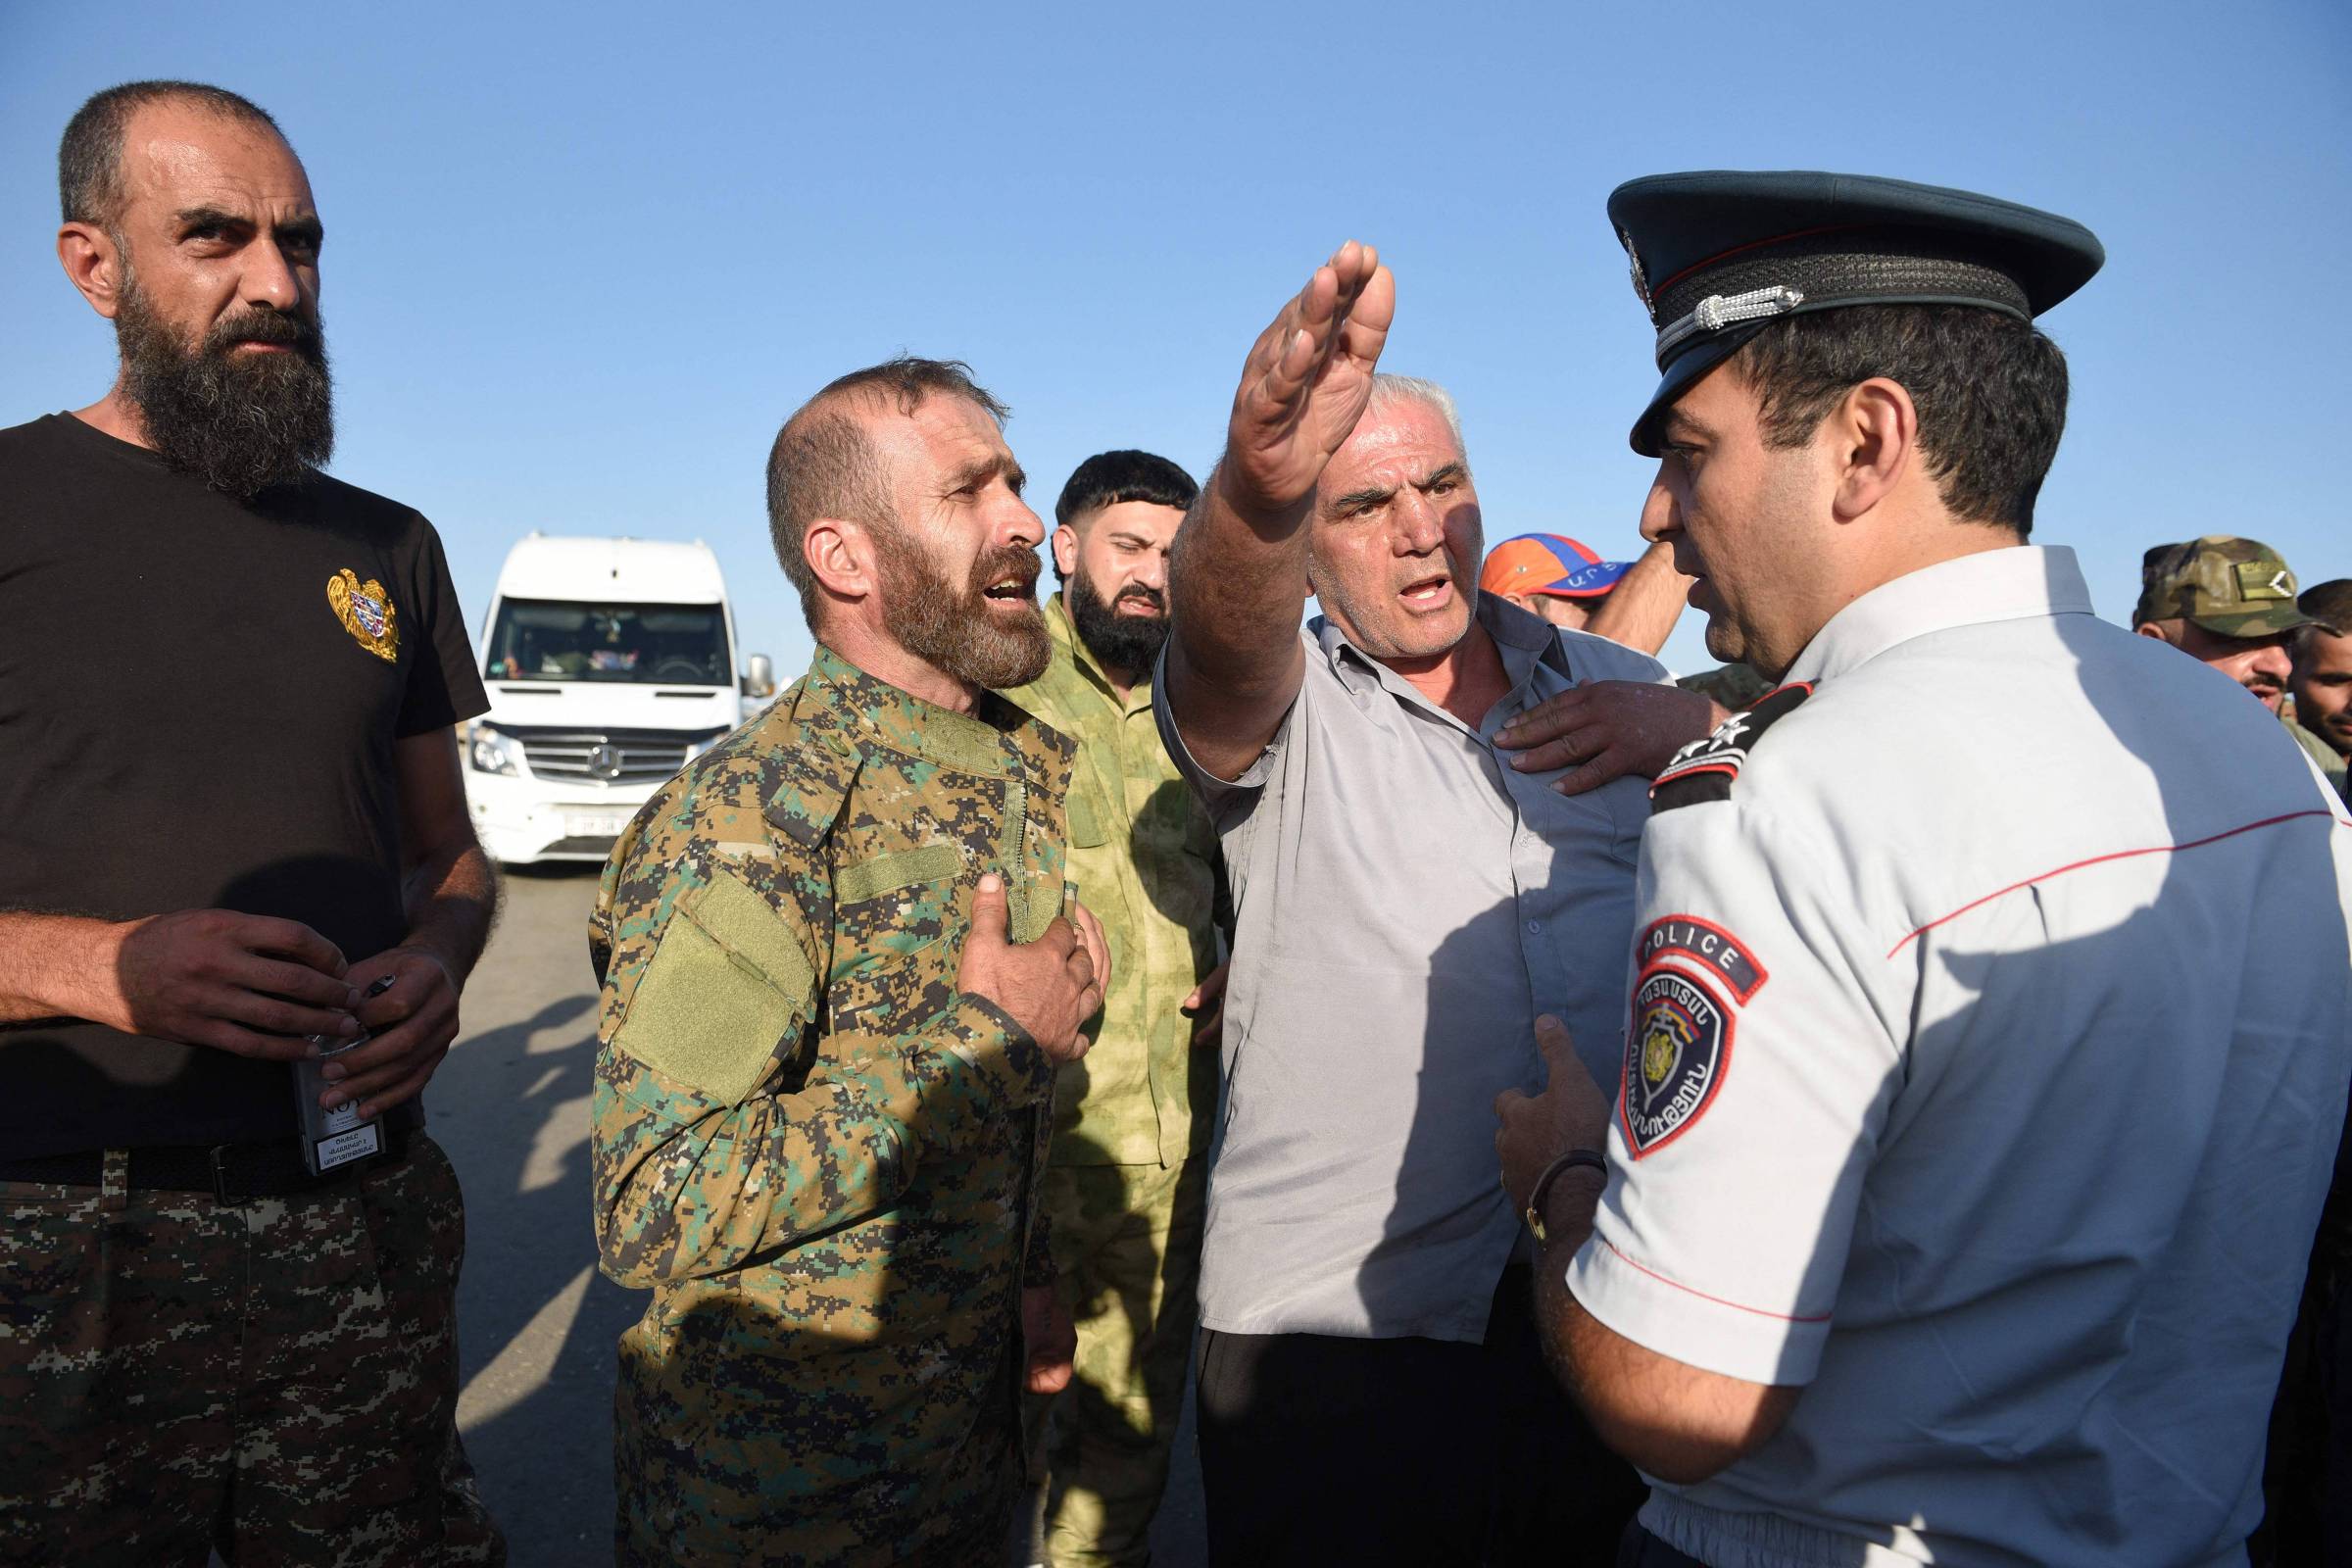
{"type": "Point", "coordinates": [1548, 564]}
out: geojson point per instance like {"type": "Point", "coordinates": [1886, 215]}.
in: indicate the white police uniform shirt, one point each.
{"type": "Point", "coordinates": [1984, 1070]}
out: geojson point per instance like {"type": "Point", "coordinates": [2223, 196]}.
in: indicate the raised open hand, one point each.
{"type": "Point", "coordinates": [1306, 382]}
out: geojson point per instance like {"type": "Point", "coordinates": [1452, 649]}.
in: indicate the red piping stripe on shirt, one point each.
{"type": "Point", "coordinates": [1817, 1317]}
{"type": "Point", "coordinates": [2101, 859]}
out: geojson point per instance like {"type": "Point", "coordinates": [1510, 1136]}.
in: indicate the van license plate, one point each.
{"type": "Point", "coordinates": [594, 825]}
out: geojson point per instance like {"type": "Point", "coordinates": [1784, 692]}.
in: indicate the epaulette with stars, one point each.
{"type": "Point", "coordinates": [1706, 769]}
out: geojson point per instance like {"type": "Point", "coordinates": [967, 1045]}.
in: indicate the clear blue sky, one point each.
{"type": "Point", "coordinates": [583, 260]}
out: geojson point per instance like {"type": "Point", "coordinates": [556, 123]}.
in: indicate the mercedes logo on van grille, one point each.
{"type": "Point", "coordinates": [604, 761]}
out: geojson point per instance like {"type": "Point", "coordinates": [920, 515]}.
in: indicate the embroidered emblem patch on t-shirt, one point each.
{"type": "Point", "coordinates": [366, 612]}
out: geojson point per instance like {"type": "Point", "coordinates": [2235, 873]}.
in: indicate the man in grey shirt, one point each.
{"type": "Point", "coordinates": [1415, 879]}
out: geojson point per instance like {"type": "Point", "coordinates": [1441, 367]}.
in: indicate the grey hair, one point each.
{"type": "Point", "coordinates": [1387, 389]}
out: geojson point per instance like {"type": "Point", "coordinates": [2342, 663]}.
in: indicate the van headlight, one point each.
{"type": "Point", "coordinates": [493, 752]}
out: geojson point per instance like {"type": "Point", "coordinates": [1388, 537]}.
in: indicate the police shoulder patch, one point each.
{"type": "Point", "coordinates": [1706, 944]}
{"type": "Point", "coordinates": [1676, 1053]}
{"type": "Point", "coordinates": [1706, 769]}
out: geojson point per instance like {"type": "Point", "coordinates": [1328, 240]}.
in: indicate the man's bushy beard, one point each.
{"type": "Point", "coordinates": [239, 422]}
{"type": "Point", "coordinates": [1128, 644]}
{"type": "Point", "coordinates": [950, 629]}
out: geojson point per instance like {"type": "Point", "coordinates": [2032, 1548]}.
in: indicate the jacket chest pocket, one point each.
{"type": "Point", "coordinates": [1090, 815]}
{"type": "Point", "coordinates": [893, 917]}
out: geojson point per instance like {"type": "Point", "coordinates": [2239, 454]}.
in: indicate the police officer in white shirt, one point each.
{"type": "Point", "coordinates": [1991, 1000]}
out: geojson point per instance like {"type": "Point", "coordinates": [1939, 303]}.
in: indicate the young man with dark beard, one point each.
{"type": "Point", "coordinates": [231, 827]}
{"type": "Point", "coordinates": [839, 968]}
{"type": "Point", "coordinates": [1125, 1185]}
{"type": "Point", "coordinates": [2320, 680]}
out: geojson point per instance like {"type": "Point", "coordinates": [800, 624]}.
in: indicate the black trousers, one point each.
{"type": "Point", "coordinates": [1317, 1448]}
{"type": "Point", "coordinates": [2307, 1473]}
{"type": "Point", "coordinates": [1641, 1549]}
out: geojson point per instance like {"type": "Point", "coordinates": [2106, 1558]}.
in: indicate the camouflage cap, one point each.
{"type": "Point", "coordinates": [2231, 587]}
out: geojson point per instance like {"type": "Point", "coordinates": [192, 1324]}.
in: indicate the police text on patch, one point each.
{"type": "Point", "coordinates": [1707, 944]}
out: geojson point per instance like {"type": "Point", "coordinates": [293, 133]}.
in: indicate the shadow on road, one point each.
{"type": "Point", "coordinates": [536, 1322]}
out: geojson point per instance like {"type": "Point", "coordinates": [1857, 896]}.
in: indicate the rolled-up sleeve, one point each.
{"type": "Point", "coordinates": [1229, 800]}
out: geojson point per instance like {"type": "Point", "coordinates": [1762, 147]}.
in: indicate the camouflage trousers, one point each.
{"type": "Point", "coordinates": [740, 1441]}
{"type": "Point", "coordinates": [1127, 1246]}
{"type": "Point", "coordinates": [274, 1380]}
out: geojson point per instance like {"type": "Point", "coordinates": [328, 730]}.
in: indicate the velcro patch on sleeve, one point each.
{"type": "Point", "coordinates": [1677, 1051]}
{"type": "Point", "coordinates": [1706, 769]}
{"type": "Point", "coordinates": [1706, 944]}
{"type": "Point", "coordinates": [727, 984]}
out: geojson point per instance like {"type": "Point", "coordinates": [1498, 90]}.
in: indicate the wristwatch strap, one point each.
{"type": "Point", "coordinates": [1568, 1162]}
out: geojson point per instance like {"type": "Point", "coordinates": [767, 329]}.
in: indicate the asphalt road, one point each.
{"type": "Point", "coordinates": [536, 1322]}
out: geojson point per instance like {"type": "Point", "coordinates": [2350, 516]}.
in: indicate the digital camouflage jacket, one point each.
{"type": "Point", "coordinates": [817, 1152]}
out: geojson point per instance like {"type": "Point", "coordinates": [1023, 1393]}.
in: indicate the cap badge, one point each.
{"type": "Point", "coordinates": [2260, 579]}
{"type": "Point", "coordinates": [1719, 310]}
{"type": "Point", "coordinates": [366, 612]}
{"type": "Point", "coordinates": [1633, 257]}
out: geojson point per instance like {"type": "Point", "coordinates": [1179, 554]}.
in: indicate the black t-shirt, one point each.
{"type": "Point", "coordinates": [199, 699]}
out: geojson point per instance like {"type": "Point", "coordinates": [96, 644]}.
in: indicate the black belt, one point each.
{"type": "Point", "coordinates": [233, 1173]}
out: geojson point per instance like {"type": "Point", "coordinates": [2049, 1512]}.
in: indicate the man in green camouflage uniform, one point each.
{"type": "Point", "coordinates": [2228, 602]}
{"type": "Point", "coordinates": [1126, 1183]}
{"type": "Point", "coordinates": [817, 1118]}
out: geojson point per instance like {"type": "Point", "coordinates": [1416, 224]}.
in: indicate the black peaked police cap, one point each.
{"type": "Point", "coordinates": [1717, 255]}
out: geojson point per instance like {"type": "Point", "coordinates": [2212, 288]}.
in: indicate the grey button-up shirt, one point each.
{"type": "Point", "coordinates": [1407, 903]}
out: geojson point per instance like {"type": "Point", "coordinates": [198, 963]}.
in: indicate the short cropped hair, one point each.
{"type": "Point", "coordinates": [824, 465]}
{"type": "Point", "coordinates": [1990, 390]}
{"type": "Point", "coordinates": [2329, 607]}
{"type": "Point", "coordinates": [1110, 478]}
{"type": "Point", "coordinates": [89, 155]}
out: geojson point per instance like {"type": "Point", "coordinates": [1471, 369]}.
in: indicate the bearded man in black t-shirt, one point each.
{"type": "Point", "coordinates": [230, 819]}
